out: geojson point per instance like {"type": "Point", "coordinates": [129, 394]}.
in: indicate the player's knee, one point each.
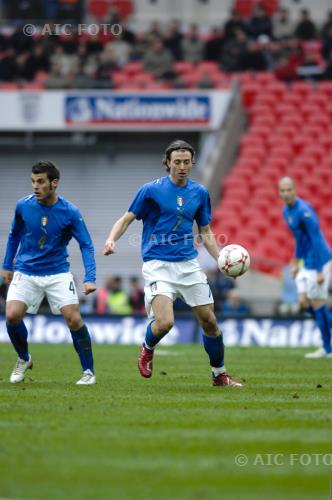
{"type": "Point", "coordinates": [164, 325]}
{"type": "Point", "coordinates": [74, 321]}
{"type": "Point", "coordinates": [209, 322]}
{"type": "Point", "coordinates": [13, 317]}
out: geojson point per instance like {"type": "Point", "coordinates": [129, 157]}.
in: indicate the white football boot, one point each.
{"type": "Point", "coordinates": [319, 353]}
{"type": "Point", "coordinates": [20, 368]}
{"type": "Point", "coordinates": [87, 378]}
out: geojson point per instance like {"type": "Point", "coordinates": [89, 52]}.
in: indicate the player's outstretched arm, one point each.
{"type": "Point", "coordinates": [209, 241]}
{"type": "Point", "coordinates": [118, 229]}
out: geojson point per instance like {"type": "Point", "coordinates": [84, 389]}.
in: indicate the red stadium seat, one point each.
{"type": "Point", "coordinates": [183, 67]}
{"type": "Point", "coordinates": [302, 88]}
{"type": "Point", "coordinates": [133, 68]}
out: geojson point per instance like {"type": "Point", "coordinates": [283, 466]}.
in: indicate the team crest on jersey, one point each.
{"type": "Point", "coordinates": [153, 287]}
{"type": "Point", "coordinates": [180, 201]}
{"type": "Point", "coordinates": [44, 221]}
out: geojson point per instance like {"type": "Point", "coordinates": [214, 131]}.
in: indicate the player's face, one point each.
{"type": "Point", "coordinates": [287, 192]}
{"type": "Point", "coordinates": [43, 188]}
{"type": "Point", "coordinates": [180, 165]}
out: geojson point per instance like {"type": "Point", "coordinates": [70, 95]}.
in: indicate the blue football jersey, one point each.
{"type": "Point", "coordinates": [39, 237]}
{"type": "Point", "coordinates": [168, 212]}
{"type": "Point", "coordinates": [310, 244]}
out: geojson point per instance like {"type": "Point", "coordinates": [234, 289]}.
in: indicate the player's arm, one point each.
{"type": "Point", "coordinates": [209, 240]}
{"type": "Point", "coordinates": [13, 242]}
{"type": "Point", "coordinates": [118, 229]}
{"type": "Point", "coordinates": [82, 236]}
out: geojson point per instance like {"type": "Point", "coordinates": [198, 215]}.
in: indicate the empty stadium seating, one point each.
{"type": "Point", "coordinates": [289, 133]}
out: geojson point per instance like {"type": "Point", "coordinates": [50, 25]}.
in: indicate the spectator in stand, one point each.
{"type": "Point", "coordinates": [20, 42]}
{"type": "Point", "coordinates": [173, 39]}
{"type": "Point", "coordinates": [192, 45]}
{"type": "Point", "coordinates": [234, 23]}
{"type": "Point", "coordinates": [55, 79]}
{"type": "Point", "coordinates": [234, 305]}
{"type": "Point", "coordinates": [36, 61]}
{"type": "Point", "coordinates": [260, 23]}
{"type": "Point", "coordinates": [136, 295]}
{"type": "Point", "coordinates": [111, 298]}
{"type": "Point", "coordinates": [327, 25]}
{"type": "Point", "coordinates": [119, 49]}
{"type": "Point", "coordinates": [310, 68]}
{"type": "Point", "coordinates": [69, 42]}
{"type": "Point", "coordinates": [234, 52]}
{"type": "Point", "coordinates": [306, 29]}
{"type": "Point", "coordinates": [205, 81]}
{"type": "Point", "coordinates": [213, 47]}
{"type": "Point", "coordinates": [93, 45]}
{"type": "Point", "coordinates": [67, 63]}
{"type": "Point", "coordinates": [327, 75]}
{"type": "Point", "coordinates": [7, 66]}
{"type": "Point", "coordinates": [255, 58]}
{"type": "Point", "coordinates": [159, 61]}
{"type": "Point", "coordinates": [327, 44]}
{"type": "Point", "coordinates": [283, 27]}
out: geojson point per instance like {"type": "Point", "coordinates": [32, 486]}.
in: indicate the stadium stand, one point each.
{"type": "Point", "coordinates": [289, 133]}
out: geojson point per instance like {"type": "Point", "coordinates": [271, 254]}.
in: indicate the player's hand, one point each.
{"type": "Point", "coordinates": [320, 278]}
{"type": "Point", "coordinates": [89, 288]}
{"type": "Point", "coordinates": [8, 276]}
{"type": "Point", "coordinates": [293, 272]}
{"type": "Point", "coordinates": [109, 247]}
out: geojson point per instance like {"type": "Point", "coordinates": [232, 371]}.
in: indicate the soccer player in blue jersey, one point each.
{"type": "Point", "coordinates": [312, 280]}
{"type": "Point", "coordinates": [36, 265]}
{"type": "Point", "coordinates": [168, 207]}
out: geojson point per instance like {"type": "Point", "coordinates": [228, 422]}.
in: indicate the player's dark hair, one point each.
{"type": "Point", "coordinates": [46, 167]}
{"type": "Point", "coordinates": [177, 145]}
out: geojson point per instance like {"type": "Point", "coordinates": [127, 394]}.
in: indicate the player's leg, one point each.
{"type": "Point", "coordinates": [81, 340]}
{"type": "Point", "coordinates": [24, 295]}
{"type": "Point", "coordinates": [317, 296]}
{"type": "Point", "coordinates": [322, 317]}
{"type": "Point", "coordinates": [214, 345]}
{"type": "Point", "coordinates": [63, 299]}
{"type": "Point", "coordinates": [162, 308]}
{"type": "Point", "coordinates": [18, 335]}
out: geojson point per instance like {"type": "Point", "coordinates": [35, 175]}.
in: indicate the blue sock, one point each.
{"type": "Point", "coordinates": [82, 344]}
{"type": "Point", "coordinates": [215, 348]}
{"type": "Point", "coordinates": [18, 335]}
{"type": "Point", "coordinates": [323, 320]}
{"type": "Point", "coordinates": [150, 339]}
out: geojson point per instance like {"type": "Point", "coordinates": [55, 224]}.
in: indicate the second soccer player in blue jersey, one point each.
{"type": "Point", "coordinates": [36, 265]}
{"type": "Point", "coordinates": [312, 280]}
{"type": "Point", "coordinates": [168, 208]}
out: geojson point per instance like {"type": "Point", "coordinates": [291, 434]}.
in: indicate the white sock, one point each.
{"type": "Point", "coordinates": [217, 371]}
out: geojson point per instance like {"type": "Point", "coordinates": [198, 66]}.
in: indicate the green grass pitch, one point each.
{"type": "Point", "coordinates": [171, 437]}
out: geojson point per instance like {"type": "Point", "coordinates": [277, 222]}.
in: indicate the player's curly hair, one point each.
{"type": "Point", "coordinates": [46, 167]}
{"type": "Point", "coordinates": [177, 145]}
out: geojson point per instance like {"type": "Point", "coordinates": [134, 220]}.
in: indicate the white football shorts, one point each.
{"type": "Point", "coordinates": [59, 289]}
{"type": "Point", "coordinates": [306, 282]}
{"type": "Point", "coordinates": [185, 280]}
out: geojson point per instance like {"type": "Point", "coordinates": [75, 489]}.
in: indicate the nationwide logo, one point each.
{"type": "Point", "coordinates": [44, 221]}
{"type": "Point", "coordinates": [180, 201]}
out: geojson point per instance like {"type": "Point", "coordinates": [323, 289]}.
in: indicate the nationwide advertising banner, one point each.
{"type": "Point", "coordinates": [131, 330]}
{"type": "Point", "coordinates": [106, 110]}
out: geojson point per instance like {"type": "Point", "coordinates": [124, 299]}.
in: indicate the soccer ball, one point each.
{"type": "Point", "coordinates": [233, 260]}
